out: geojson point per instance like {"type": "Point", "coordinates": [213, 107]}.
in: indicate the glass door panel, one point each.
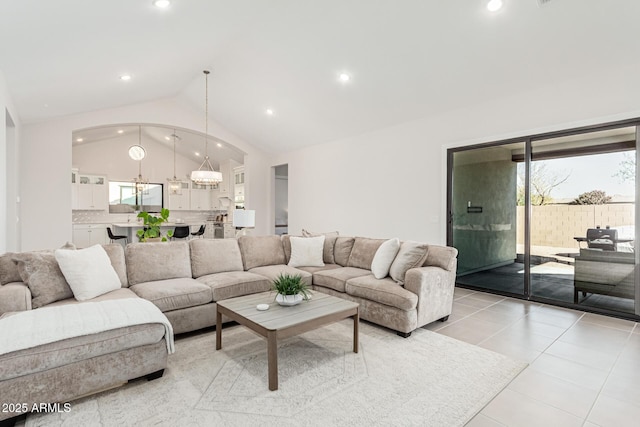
{"type": "Point", "coordinates": [486, 221]}
{"type": "Point", "coordinates": [583, 219]}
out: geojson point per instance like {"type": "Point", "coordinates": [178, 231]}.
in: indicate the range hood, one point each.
{"type": "Point", "coordinates": [224, 201]}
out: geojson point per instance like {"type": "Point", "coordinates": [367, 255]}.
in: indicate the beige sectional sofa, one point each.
{"type": "Point", "coordinates": [185, 279]}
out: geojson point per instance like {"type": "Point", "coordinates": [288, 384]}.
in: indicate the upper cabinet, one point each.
{"type": "Point", "coordinates": [179, 202]}
{"type": "Point", "coordinates": [89, 192]}
{"type": "Point", "coordinates": [238, 180]}
{"type": "Point", "coordinates": [227, 186]}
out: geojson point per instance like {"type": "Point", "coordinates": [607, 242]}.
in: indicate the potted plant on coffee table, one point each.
{"type": "Point", "coordinates": [291, 290]}
{"type": "Point", "coordinates": [151, 231]}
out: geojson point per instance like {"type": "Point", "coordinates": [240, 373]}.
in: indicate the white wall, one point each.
{"type": "Point", "coordinates": [45, 166]}
{"type": "Point", "coordinates": [9, 146]}
{"type": "Point", "coordinates": [392, 182]}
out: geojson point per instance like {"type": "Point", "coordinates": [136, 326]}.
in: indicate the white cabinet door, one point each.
{"type": "Point", "coordinates": [200, 198]}
{"type": "Point", "coordinates": [93, 192]}
{"type": "Point", "coordinates": [180, 202]}
{"type": "Point", "coordinates": [85, 235]}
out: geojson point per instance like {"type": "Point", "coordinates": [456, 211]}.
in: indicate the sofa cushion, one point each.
{"type": "Point", "coordinates": [364, 249]}
{"type": "Point", "coordinates": [442, 256]}
{"type": "Point", "coordinates": [336, 278]}
{"type": "Point", "coordinates": [14, 296]}
{"type": "Point", "coordinates": [271, 272]}
{"type": "Point", "coordinates": [117, 294]}
{"type": "Point", "coordinates": [410, 255]}
{"type": "Point", "coordinates": [342, 250]}
{"type": "Point", "coordinates": [232, 284]}
{"type": "Point", "coordinates": [65, 352]}
{"type": "Point", "coordinates": [329, 244]}
{"type": "Point", "coordinates": [306, 251]}
{"type": "Point", "coordinates": [258, 251]}
{"type": "Point", "coordinates": [41, 273]}
{"type": "Point", "coordinates": [384, 257]}
{"type": "Point", "coordinates": [385, 291]}
{"type": "Point", "coordinates": [88, 272]}
{"type": "Point", "coordinates": [8, 269]}
{"type": "Point", "coordinates": [116, 255]}
{"type": "Point", "coordinates": [149, 262]}
{"type": "Point", "coordinates": [174, 294]}
{"type": "Point", "coordinates": [313, 270]}
{"type": "Point", "coordinates": [209, 256]}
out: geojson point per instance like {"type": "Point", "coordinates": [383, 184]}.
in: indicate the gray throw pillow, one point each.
{"type": "Point", "coordinates": [41, 273]}
{"type": "Point", "coordinates": [410, 255]}
{"type": "Point", "coordinates": [8, 269]}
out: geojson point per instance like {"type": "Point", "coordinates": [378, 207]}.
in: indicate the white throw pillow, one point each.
{"type": "Point", "coordinates": [307, 251]}
{"type": "Point", "coordinates": [384, 257]}
{"type": "Point", "coordinates": [88, 272]}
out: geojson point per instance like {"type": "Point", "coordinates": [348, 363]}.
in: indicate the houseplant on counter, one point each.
{"type": "Point", "coordinates": [151, 231]}
{"type": "Point", "coordinates": [291, 290]}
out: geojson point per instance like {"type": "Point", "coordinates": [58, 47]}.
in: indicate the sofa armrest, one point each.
{"type": "Point", "coordinates": [434, 287]}
{"type": "Point", "coordinates": [14, 296]}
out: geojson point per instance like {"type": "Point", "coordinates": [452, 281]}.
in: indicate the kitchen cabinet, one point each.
{"type": "Point", "coordinates": [85, 235]}
{"type": "Point", "coordinates": [93, 192]}
{"type": "Point", "coordinates": [180, 202]}
{"type": "Point", "coordinates": [200, 197]}
{"type": "Point", "coordinates": [229, 230]}
{"type": "Point", "coordinates": [238, 174]}
{"type": "Point", "coordinates": [228, 178]}
{"type": "Point", "coordinates": [74, 188]}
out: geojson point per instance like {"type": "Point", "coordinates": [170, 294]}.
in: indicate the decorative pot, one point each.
{"type": "Point", "coordinates": [289, 299]}
{"type": "Point", "coordinates": [153, 239]}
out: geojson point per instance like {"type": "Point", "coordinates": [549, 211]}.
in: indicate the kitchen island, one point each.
{"type": "Point", "coordinates": [130, 229]}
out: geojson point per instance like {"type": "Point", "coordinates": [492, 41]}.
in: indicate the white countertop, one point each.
{"type": "Point", "coordinates": [137, 224]}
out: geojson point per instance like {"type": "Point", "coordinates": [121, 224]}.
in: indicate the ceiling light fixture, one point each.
{"type": "Point", "coordinates": [79, 140]}
{"type": "Point", "coordinates": [175, 185]}
{"type": "Point", "coordinates": [269, 112]}
{"type": "Point", "coordinates": [219, 145]}
{"type": "Point", "coordinates": [120, 131]}
{"type": "Point", "coordinates": [494, 5]}
{"type": "Point", "coordinates": [344, 77]}
{"type": "Point", "coordinates": [125, 77]}
{"type": "Point", "coordinates": [206, 175]}
{"type": "Point", "coordinates": [162, 4]}
{"type": "Point", "coordinates": [137, 152]}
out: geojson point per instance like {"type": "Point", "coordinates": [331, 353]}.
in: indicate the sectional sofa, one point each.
{"type": "Point", "coordinates": [184, 280]}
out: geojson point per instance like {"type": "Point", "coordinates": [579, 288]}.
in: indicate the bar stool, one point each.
{"type": "Point", "coordinates": [200, 231]}
{"type": "Point", "coordinates": [113, 237]}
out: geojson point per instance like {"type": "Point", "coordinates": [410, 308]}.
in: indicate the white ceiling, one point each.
{"type": "Point", "coordinates": [408, 58]}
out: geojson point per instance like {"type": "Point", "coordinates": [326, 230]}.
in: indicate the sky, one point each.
{"type": "Point", "coordinates": [587, 173]}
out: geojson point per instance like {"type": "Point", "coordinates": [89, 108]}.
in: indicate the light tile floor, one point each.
{"type": "Point", "coordinates": [584, 369]}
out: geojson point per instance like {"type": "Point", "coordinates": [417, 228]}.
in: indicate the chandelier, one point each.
{"type": "Point", "coordinates": [205, 175]}
{"type": "Point", "coordinates": [137, 152]}
{"type": "Point", "coordinates": [175, 185]}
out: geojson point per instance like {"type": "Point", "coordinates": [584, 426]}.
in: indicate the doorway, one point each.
{"type": "Point", "coordinates": [281, 203]}
{"type": "Point", "coordinates": [12, 203]}
{"type": "Point", "coordinates": [550, 218]}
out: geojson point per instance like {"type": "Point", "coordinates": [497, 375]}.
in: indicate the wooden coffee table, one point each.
{"type": "Point", "coordinates": [282, 322]}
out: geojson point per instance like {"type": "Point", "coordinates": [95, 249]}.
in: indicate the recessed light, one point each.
{"type": "Point", "coordinates": [79, 140]}
{"type": "Point", "coordinates": [197, 154]}
{"type": "Point", "coordinates": [219, 145]}
{"type": "Point", "coordinates": [344, 77]}
{"type": "Point", "coordinates": [168, 138]}
{"type": "Point", "coordinates": [120, 131]}
{"type": "Point", "coordinates": [125, 77]}
{"type": "Point", "coordinates": [269, 112]}
{"type": "Point", "coordinates": [162, 4]}
{"type": "Point", "coordinates": [494, 5]}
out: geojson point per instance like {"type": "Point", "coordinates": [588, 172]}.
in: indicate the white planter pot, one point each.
{"type": "Point", "coordinates": [289, 299]}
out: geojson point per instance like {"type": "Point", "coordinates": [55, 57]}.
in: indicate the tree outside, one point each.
{"type": "Point", "coordinates": [543, 181]}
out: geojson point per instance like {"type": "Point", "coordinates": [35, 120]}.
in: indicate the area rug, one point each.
{"type": "Point", "coordinates": [426, 379]}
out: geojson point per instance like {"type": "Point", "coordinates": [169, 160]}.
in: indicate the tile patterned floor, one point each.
{"type": "Point", "coordinates": [584, 369]}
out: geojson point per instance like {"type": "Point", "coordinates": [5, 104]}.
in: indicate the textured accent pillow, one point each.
{"type": "Point", "coordinates": [384, 257]}
{"type": "Point", "coordinates": [307, 251]}
{"type": "Point", "coordinates": [88, 272]}
{"type": "Point", "coordinates": [41, 273]}
{"type": "Point", "coordinates": [410, 255]}
{"type": "Point", "coordinates": [329, 244]}
{"type": "Point", "coordinates": [8, 269]}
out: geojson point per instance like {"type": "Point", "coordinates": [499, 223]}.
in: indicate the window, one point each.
{"type": "Point", "coordinates": [124, 198]}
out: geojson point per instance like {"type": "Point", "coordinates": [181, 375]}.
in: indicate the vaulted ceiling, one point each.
{"type": "Point", "coordinates": [407, 59]}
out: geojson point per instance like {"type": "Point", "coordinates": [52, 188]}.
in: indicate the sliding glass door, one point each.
{"type": "Point", "coordinates": [549, 218]}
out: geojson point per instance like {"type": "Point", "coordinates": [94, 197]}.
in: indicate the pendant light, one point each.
{"type": "Point", "coordinates": [205, 175]}
{"type": "Point", "coordinates": [175, 185]}
{"type": "Point", "coordinates": [137, 152]}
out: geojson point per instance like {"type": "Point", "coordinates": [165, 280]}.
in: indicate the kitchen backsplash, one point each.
{"type": "Point", "coordinates": [103, 217]}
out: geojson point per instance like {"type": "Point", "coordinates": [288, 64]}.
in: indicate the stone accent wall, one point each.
{"type": "Point", "coordinates": [557, 225]}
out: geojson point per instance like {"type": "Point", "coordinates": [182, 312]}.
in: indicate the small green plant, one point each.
{"type": "Point", "coordinates": [286, 284]}
{"type": "Point", "coordinates": [152, 225]}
